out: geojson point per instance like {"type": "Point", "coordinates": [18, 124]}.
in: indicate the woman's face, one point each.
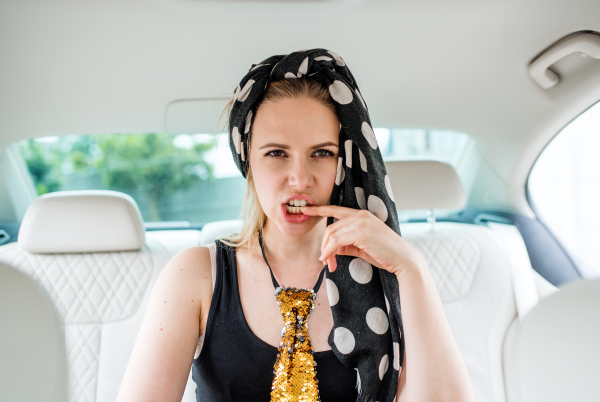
{"type": "Point", "coordinates": [294, 157]}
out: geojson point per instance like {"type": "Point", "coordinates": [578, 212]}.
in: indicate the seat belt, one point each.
{"type": "Point", "coordinates": [524, 288]}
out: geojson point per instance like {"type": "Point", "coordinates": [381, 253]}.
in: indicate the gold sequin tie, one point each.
{"type": "Point", "coordinates": [295, 370]}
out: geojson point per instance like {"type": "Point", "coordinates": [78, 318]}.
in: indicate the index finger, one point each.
{"type": "Point", "coordinates": [329, 210]}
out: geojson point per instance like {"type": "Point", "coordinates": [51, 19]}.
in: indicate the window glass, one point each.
{"type": "Point", "coordinates": [564, 186]}
{"type": "Point", "coordinates": [187, 178]}
{"type": "Point", "coordinates": [443, 145]}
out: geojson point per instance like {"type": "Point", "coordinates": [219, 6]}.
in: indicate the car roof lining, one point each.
{"type": "Point", "coordinates": [103, 67]}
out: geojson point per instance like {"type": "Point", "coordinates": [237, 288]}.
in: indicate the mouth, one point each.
{"type": "Point", "coordinates": [294, 206]}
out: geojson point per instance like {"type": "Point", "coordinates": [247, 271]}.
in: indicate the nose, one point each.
{"type": "Point", "coordinates": [301, 175]}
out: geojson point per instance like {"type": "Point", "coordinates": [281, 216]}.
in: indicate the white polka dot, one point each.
{"type": "Point", "coordinates": [363, 161]}
{"type": "Point", "coordinates": [396, 356]}
{"type": "Point", "coordinates": [242, 149]}
{"type": "Point", "coordinates": [303, 69]}
{"type": "Point", "coordinates": [348, 148]}
{"type": "Point", "coordinates": [360, 270]}
{"type": "Point", "coordinates": [387, 304]}
{"type": "Point", "coordinates": [377, 320]}
{"type": "Point", "coordinates": [383, 366]}
{"type": "Point", "coordinates": [388, 187]}
{"type": "Point", "coordinates": [257, 66]}
{"type": "Point", "coordinates": [344, 340]}
{"type": "Point", "coordinates": [360, 98]}
{"type": "Point", "coordinates": [358, 383]}
{"type": "Point", "coordinates": [319, 58]}
{"type": "Point", "coordinates": [360, 197]}
{"type": "Point", "coordinates": [340, 92]}
{"type": "Point", "coordinates": [248, 122]}
{"type": "Point", "coordinates": [236, 137]}
{"type": "Point", "coordinates": [245, 91]}
{"type": "Point", "coordinates": [341, 173]}
{"type": "Point", "coordinates": [237, 91]}
{"type": "Point", "coordinates": [377, 207]}
{"type": "Point", "coordinates": [290, 75]}
{"type": "Point", "coordinates": [332, 292]}
{"type": "Point", "coordinates": [337, 58]}
{"type": "Point", "coordinates": [369, 134]}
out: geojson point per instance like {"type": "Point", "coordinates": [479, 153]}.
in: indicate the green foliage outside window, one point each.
{"type": "Point", "coordinates": [142, 165]}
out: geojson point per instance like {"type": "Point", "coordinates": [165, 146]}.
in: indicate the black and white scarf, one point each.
{"type": "Point", "coordinates": [365, 302]}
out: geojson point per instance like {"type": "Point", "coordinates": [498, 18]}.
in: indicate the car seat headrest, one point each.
{"type": "Point", "coordinates": [425, 184]}
{"type": "Point", "coordinates": [83, 221]}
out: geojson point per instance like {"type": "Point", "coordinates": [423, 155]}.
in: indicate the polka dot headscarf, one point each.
{"type": "Point", "coordinates": [367, 329]}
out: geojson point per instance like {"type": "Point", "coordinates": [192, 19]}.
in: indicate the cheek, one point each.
{"type": "Point", "coordinates": [327, 175]}
{"type": "Point", "coordinates": [267, 182]}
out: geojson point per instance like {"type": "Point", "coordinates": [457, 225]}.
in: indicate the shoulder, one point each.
{"type": "Point", "coordinates": [191, 263]}
{"type": "Point", "coordinates": [187, 278]}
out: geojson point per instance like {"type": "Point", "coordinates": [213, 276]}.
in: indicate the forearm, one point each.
{"type": "Point", "coordinates": [437, 371]}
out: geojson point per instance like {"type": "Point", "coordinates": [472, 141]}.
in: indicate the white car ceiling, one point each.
{"type": "Point", "coordinates": [113, 66]}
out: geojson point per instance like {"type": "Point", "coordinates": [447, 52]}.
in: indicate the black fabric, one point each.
{"type": "Point", "coordinates": [235, 365]}
{"type": "Point", "coordinates": [367, 331]}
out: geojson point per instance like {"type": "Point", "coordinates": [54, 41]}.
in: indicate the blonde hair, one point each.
{"type": "Point", "coordinates": [252, 215]}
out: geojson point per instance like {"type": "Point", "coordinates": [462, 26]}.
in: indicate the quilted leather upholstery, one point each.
{"type": "Point", "coordinates": [90, 287]}
{"type": "Point", "coordinates": [452, 257]}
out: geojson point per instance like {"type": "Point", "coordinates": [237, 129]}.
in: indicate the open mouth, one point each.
{"type": "Point", "coordinates": [294, 206]}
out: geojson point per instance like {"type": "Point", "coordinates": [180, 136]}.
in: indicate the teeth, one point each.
{"type": "Point", "coordinates": [297, 203]}
{"type": "Point", "coordinates": [293, 210]}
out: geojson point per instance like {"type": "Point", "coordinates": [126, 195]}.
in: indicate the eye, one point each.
{"type": "Point", "coordinates": [323, 153]}
{"type": "Point", "coordinates": [276, 153]}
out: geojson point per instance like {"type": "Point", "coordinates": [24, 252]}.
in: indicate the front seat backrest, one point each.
{"type": "Point", "coordinates": [554, 353]}
{"type": "Point", "coordinates": [33, 362]}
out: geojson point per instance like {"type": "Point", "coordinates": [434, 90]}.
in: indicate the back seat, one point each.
{"type": "Point", "coordinates": [101, 267]}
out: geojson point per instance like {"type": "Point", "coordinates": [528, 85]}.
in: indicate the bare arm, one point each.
{"type": "Point", "coordinates": [161, 359]}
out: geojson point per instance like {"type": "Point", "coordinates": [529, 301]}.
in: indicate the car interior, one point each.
{"type": "Point", "coordinates": [114, 160]}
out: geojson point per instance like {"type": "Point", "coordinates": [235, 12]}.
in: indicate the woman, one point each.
{"type": "Point", "coordinates": [301, 135]}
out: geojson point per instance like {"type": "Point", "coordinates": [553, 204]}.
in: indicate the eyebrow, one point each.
{"type": "Point", "coordinates": [283, 146]}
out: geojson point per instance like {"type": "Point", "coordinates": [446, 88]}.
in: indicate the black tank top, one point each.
{"type": "Point", "coordinates": [236, 365]}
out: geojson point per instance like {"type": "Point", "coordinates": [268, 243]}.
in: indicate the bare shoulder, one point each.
{"type": "Point", "coordinates": [193, 262]}
{"type": "Point", "coordinates": [188, 275]}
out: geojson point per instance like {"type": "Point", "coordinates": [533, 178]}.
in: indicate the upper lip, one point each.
{"type": "Point", "coordinates": [305, 197]}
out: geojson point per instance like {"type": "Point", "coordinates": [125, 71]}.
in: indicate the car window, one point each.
{"type": "Point", "coordinates": [564, 189]}
{"type": "Point", "coordinates": [186, 178]}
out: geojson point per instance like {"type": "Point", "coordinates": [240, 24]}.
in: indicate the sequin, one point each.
{"type": "Point", "coordinates": [295, 377]}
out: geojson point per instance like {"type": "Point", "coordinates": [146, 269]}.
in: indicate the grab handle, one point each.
{"type": "Point", "coordinates": [539, 69]}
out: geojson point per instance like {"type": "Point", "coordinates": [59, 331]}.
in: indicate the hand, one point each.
{"type": "Point", "coordinates": [361, 234]}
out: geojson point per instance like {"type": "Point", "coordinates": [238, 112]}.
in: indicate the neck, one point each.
{"type": "Point", "coordinates": [294, 259]}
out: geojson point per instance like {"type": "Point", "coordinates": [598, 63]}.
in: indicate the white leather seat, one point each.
{"type": "Point", "coordinates": [33, 360]}
{"type": "Point", "coordinates": [90, 251]}
{"type": "Point", "coordinates": [553, 354]}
